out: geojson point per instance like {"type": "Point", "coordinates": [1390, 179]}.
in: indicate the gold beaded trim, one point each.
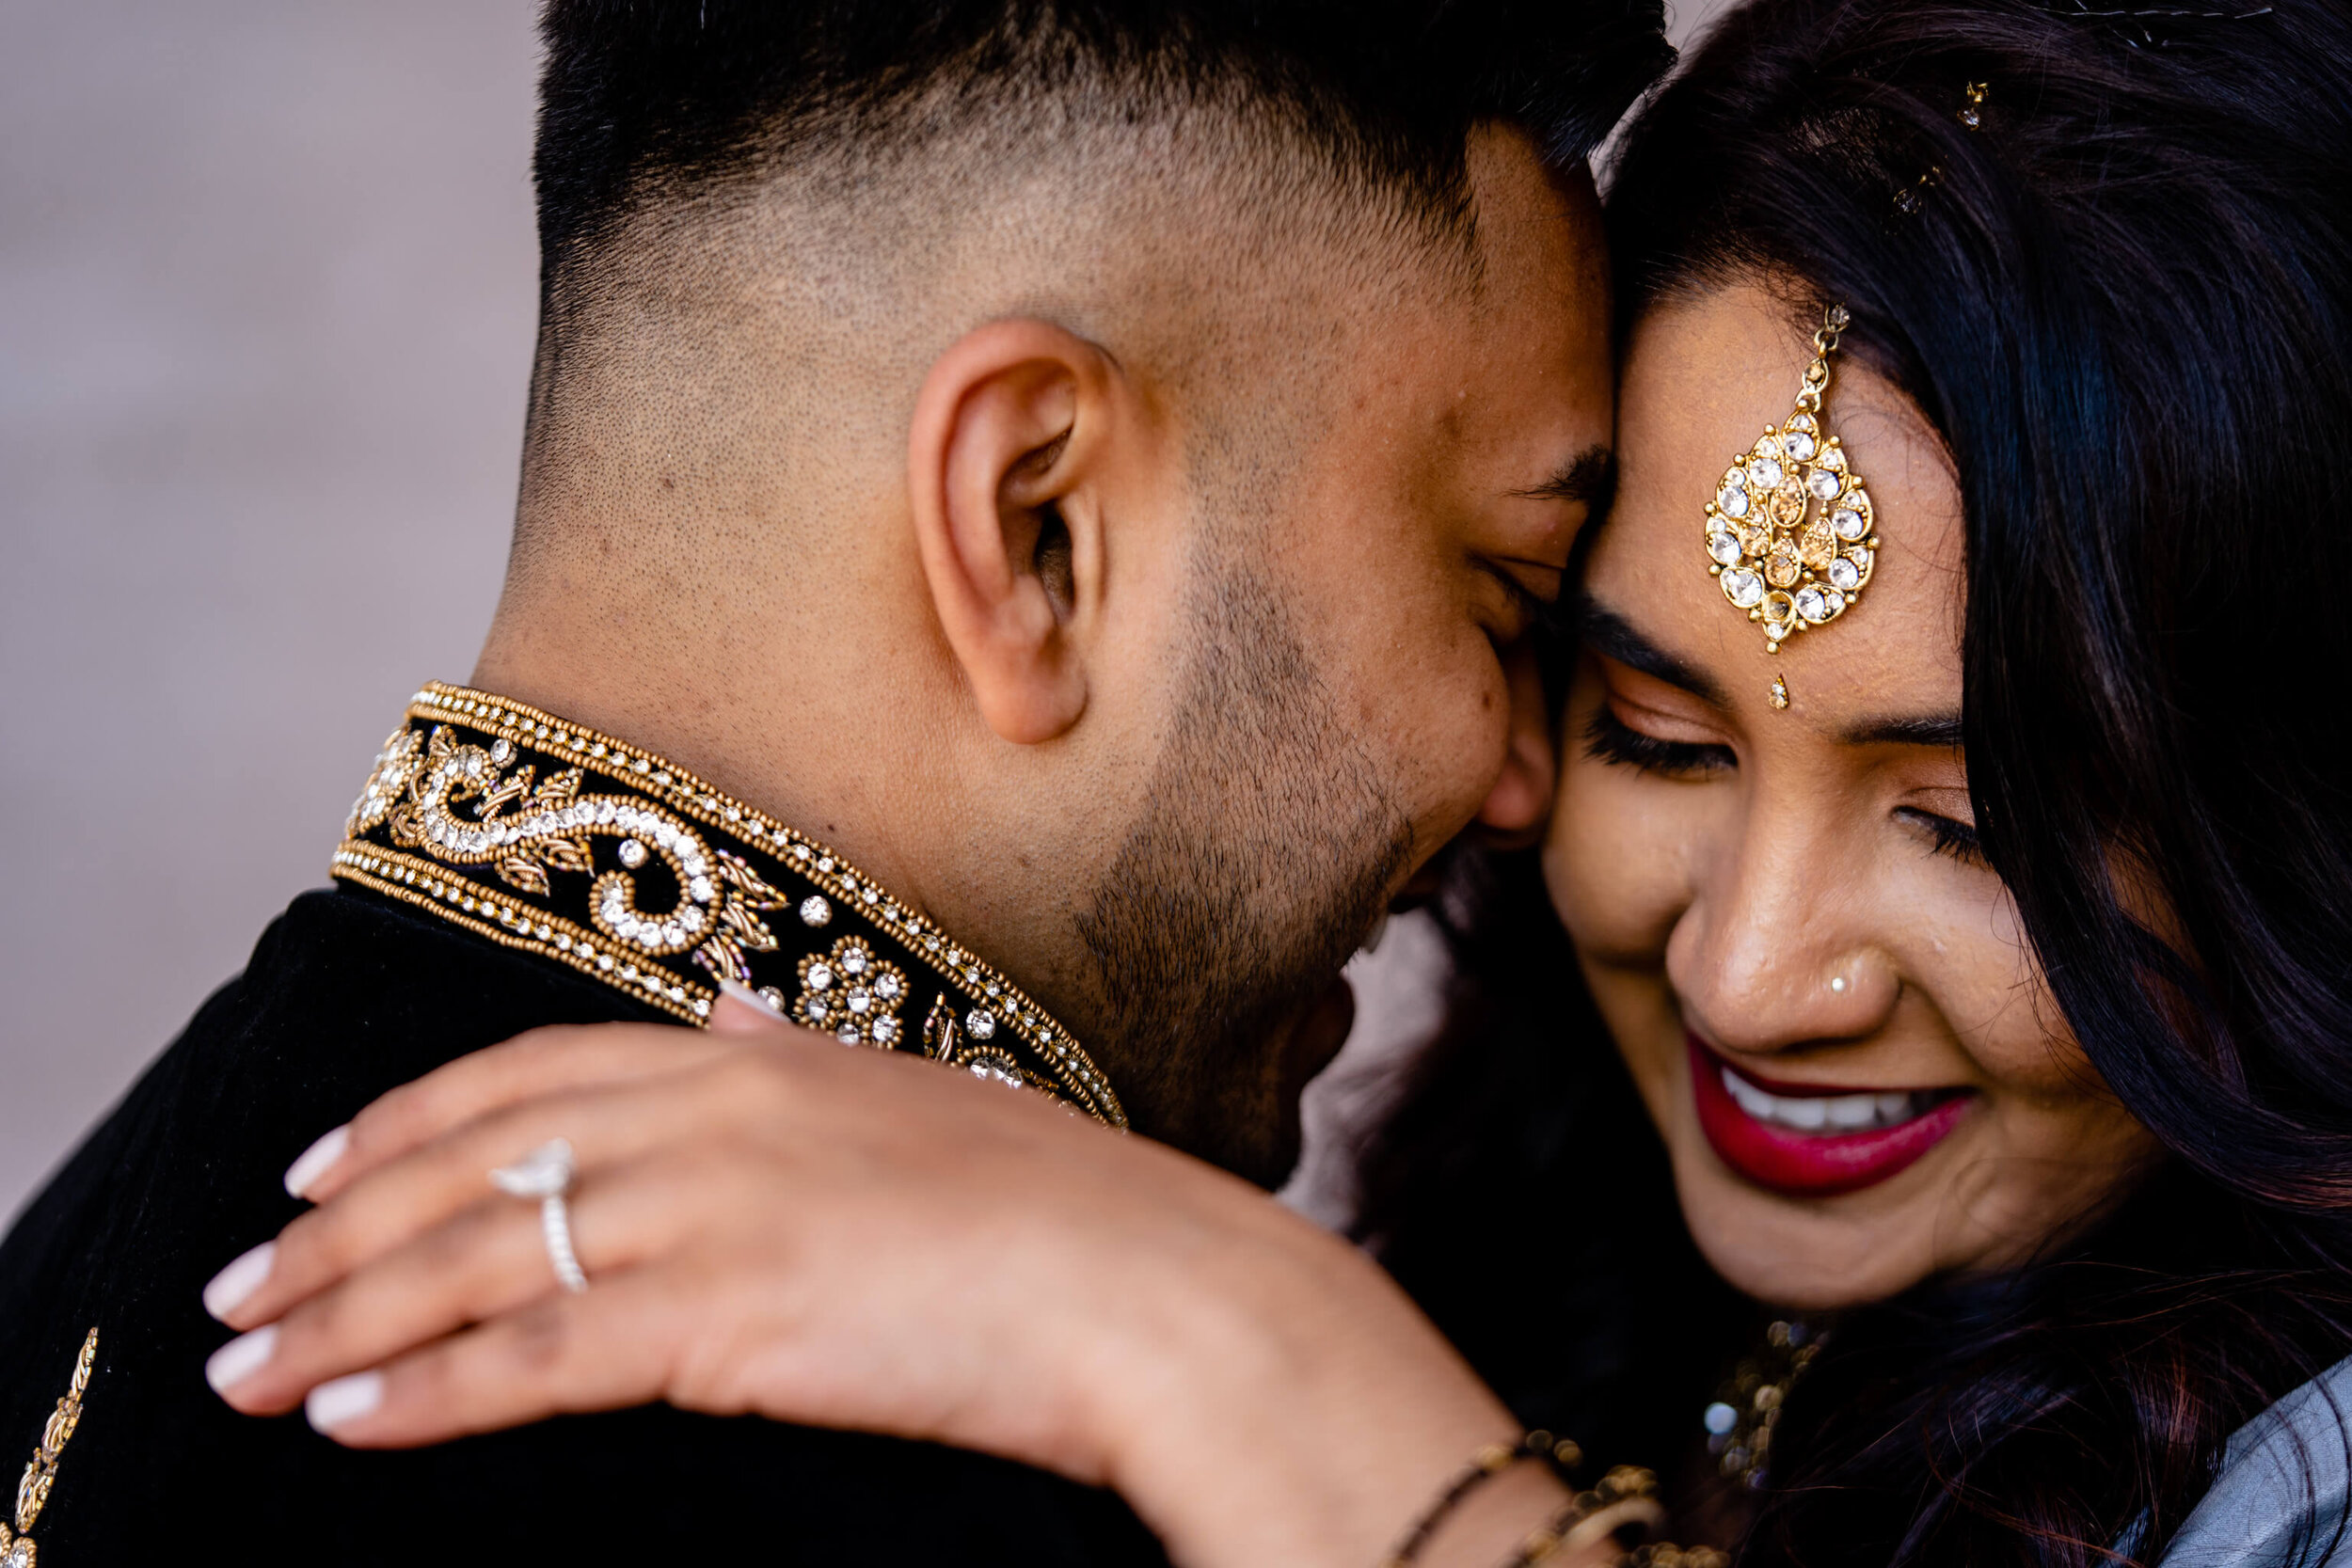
{"type": "Point", "coordinates": [542, 797]}
{"type": "Point", "coordinates": [32, 1490]}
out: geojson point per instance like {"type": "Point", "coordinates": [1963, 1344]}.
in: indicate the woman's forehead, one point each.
{"type": "Point", "coordinates": [1704, 377]}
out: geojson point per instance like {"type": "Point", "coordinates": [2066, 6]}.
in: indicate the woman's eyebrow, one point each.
{"type": "Point", "coordinates": [1609, 634]}
{"type": "Point", "coordinates": [1939, 730]}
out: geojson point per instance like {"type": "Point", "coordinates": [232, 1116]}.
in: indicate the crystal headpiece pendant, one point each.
{"type": "Point", "coordinates": [1790, 535]}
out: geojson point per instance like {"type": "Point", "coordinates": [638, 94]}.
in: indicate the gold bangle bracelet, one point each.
{"type": "Point", "coordinates": [1626, 1495]}
{"type": "Point", "coordinates": [1559, 1453]}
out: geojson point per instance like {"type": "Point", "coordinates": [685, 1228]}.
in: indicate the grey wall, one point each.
{"type": "Point", "coordinates": [266, 289]}
{"type": "Point", "coordinates": [266, 295]}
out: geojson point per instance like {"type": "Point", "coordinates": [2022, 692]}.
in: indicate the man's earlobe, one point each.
{"type": "Point", "coordinates": [1009, 427]}
{"type": "Point", "coordinates": [1519, 805]}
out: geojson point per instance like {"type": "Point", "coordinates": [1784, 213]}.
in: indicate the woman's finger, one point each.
{"type": "Point", "coordinates": [543, 1062]}
{"type": "Point", "coordinates": [606, 1124]}
{"type": "Point", "coordinates": [604, 1349]}
{"type": "Point", "coordinates": [491, 1257]}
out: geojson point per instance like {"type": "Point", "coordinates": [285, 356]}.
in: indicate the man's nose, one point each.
{"type": "Point", "coordinates": [1520, 803]}
{"type": "Point", "coordinates": [1777, 949]}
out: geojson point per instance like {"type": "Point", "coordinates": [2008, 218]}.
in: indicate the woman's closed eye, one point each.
{"type": "Point", "coordinates": [1611, 739]}
{"type": "Point", "coordinates": [1946, 835]}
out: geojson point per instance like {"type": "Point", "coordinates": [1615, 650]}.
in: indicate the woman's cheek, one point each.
{"type": "Point", "coordinates": [1958, 941]}
{"type": "Point", "coordinates": [1616, 861]}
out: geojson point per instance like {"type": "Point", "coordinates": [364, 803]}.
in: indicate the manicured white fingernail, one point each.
{"type": "Point", "coordinates": [345, 1399]}
{"type": "Point", "coordinates": [317, 1160]}
{"type": "Point", "coordinates": [232, 1284]}
{"type": "Point", "coordinates": [241, 1357]}
{"type": "Point", "coordinates": [735, 990]}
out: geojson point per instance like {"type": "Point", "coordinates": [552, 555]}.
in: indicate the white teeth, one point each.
{"type": "Point", "coordinates": [1843, 1113]}
{"type": "Point", "coordinates": [1851, 1111]}
{"type": "Point", "coordinates": [1749, 1097]}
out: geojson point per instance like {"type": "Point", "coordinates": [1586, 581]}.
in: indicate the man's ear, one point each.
{"type": "Point", "coordinates": [1010, 428]}
{"type": "Point", "coordinates": [1520, 804]}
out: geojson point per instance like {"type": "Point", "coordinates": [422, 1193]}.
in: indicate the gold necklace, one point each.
{"type": "Point", "coordinates": [1739, 1423]}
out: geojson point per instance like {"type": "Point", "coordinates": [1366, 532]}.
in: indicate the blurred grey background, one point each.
{"type": "Point", "coordinates": [267, 283]}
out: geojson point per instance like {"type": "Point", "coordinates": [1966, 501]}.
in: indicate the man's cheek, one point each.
{"type": "Point", "coordinates": [1445, 731]}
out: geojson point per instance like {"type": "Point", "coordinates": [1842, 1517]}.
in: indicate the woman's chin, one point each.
{"type": "Point", "coordinates": [1836, 1274]}
{"type": "Point", "coordinates": [1805, 1254]}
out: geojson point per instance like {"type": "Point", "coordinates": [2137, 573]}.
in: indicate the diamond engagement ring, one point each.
{"type": "Point", "coordinates": [546, 1173]}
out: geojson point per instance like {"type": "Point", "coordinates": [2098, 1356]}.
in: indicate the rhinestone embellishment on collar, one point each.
{"type": "Point", "coordinates": [542, 835]}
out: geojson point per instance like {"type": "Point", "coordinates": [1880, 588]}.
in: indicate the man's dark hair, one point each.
{"type": "Point", "coordinates": [654, 102]}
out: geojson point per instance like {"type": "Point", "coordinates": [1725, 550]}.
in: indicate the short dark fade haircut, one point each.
{"type": "Point", "coordinates": [646, 102]}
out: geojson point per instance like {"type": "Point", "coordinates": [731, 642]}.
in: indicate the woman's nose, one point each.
{"type": "Point", "coordinates": [1772, 954]}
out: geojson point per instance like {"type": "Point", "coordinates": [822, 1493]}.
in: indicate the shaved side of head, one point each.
{"type": "Point", "coordinates": [806, 202]}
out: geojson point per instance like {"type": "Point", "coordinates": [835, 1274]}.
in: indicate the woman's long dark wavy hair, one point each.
{"type": "Point", "coordinates": [2125, 298]}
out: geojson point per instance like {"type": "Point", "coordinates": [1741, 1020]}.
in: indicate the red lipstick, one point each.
{"type": "Point", "coordinates": [1802, 1163]}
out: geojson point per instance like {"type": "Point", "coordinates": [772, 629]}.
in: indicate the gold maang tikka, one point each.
{"type": "Point", "coordinates": [1791, 535]}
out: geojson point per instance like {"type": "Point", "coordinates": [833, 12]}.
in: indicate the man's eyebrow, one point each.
{"type": "Point", "coordinates": [1939, 730]}
{"type": "Point", "coordinates": [1609, 634]}
{"type": "Point", "coordinates": [1590, 477]}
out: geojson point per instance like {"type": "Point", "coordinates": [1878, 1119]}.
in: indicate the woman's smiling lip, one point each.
{"type": "Point", "coordinates": [1766, 1131]}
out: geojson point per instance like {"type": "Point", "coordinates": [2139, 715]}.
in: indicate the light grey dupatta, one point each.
{"type": "Point", "coordinates": [2280, 1496]}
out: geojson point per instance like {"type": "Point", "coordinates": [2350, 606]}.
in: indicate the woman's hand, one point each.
{"type": "Point", "coordinates": [773, 1224]}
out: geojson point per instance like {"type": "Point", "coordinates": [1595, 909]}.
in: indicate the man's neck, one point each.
{"type": "Point", "coordinates": [772, 732]}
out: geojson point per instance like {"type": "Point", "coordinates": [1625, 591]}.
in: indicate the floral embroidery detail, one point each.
{"type": "Point", "coordinates": [852, 995]}
{"type": "Point", "coordinates": [395, 765]}
{"type": "Point", "coordinates": [948, 1038]}
{"type": "Point", "coordinates": [526, 830]}
{"type": "Point", "coordinates": [741, 929]}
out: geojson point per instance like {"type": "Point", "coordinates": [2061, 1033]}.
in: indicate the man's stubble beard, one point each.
{"type": "Point", "coordinates": [1267, 844]}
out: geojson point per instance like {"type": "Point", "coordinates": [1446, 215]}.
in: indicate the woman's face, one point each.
{"type": "Point", "coordinates": [1823, 992]}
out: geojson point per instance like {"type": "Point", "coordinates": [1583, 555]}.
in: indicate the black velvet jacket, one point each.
{"type": "Point", "coordinates": [350, 993]}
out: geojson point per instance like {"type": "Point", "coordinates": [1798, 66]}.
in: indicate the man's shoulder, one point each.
{"type": "Point", "coordinates": [652, 1483]}
{"type": "Point", "coordinates": [393, 981]}
{"type": "Point", "coordinates": [346, 995]}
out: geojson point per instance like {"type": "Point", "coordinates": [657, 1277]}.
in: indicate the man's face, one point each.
{"type": "Point", "coordinates": [1342, 709]}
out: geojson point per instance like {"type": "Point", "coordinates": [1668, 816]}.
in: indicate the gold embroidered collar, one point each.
{"type": "Point", "coordinates": [541, 835]}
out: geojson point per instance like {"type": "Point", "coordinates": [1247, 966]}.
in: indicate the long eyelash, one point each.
{"type": "Point", "coordinates": [1956, 839]}
{"type": "Point", "coordinates": [1609, 739]}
